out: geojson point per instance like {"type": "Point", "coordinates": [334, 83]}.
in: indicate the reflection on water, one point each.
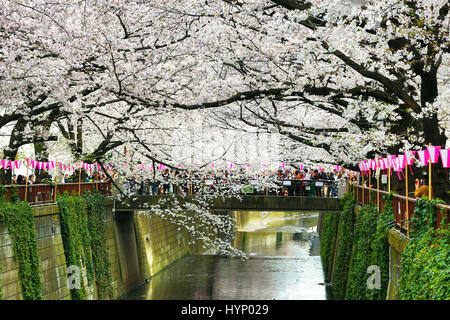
{"type": "Point", "coordinates": [284, 264]}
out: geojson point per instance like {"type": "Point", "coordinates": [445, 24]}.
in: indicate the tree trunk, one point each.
{"type": "Point", "coordinates": [10, 153]}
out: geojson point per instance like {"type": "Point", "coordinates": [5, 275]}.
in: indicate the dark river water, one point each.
{"type": "Point", "coordinates": [283, 264]}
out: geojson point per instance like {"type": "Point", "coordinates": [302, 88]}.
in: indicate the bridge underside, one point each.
{"type": "Point", "coordinates": [248, 202]}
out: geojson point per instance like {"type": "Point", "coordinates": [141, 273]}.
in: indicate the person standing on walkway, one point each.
{"type": "Point", "coordinates": [166, 177]}
{"type": "Point", "coordinates": [316, 176]}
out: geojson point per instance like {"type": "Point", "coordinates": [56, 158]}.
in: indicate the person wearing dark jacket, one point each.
{"type": "Point", "coordinates": [318, 176]}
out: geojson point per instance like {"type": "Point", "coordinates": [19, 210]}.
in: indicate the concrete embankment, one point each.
{"type": "Point", "coordinates": [339, 243]}
{"type": "Point", "coordinates": [139, 245]}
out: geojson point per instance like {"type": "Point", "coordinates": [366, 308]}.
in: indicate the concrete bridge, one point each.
{"type": "Point", "coordinates": [248, 202]}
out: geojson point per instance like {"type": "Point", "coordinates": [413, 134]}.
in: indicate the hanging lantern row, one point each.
{"type": "Point", "coordinates": [398, 162]}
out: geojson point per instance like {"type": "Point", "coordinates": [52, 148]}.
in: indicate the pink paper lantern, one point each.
{"type": "Point", "coordinates": [365, 166]}
{"type": "Point", "coordinates": [391, 159]}
{"type": "Point", "coordinates": [373, 164]}
{"type": "Point", "coordinates": [401, 161]}
{"type": "Point", "coordinates": [337, 168]}
{"type": "Point", "coordinates": [301, 166]}
{"type": "Point", "coordinates": [433, 152]}
{"type": "Point", "coordinates": [5, 164]}
{"type": "Point", "coordinates": [386, 163]}
{"type": "Point", "coordinates": [17, 164]}
{"type": "Point", "coordinates": [283, 165]}
{"type": "Point", "coordinates": [410, 157]}
{"type": "Point", "coordinates": [445, 158]}
{"type": "Point", "coordinates": [423, 157]}
{"type": "Point", "coordinates": [395, 165]}
{"type": "Point", "coordinates": [381, 164]}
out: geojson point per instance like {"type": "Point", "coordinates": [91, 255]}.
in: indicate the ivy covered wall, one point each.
{"type": "Point", "coordinates": [361, 240]}
{"type": "Point", "coordinates": [327, 242]}
{"type": "Point", "coordinates": [18, 218]}
{"type": "Point", "coordinates": [426, 258]}
{"type": "Point", "coordinates": [344, 249]}
{"type": "Point", "coordinates": [77, 238]}
{"type": "Point", "coordinates": [83, 235]}
{"type": "Point", "coordinates": [83, 232]}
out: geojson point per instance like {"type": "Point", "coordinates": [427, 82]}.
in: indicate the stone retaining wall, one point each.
{"type": "Point", "coordinates": [139, 245]}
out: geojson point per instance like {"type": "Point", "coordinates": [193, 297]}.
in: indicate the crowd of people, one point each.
{"type": "Point", "coordinates": [306, 182]}
{"type": "Point", "coordinates": [45, 177]}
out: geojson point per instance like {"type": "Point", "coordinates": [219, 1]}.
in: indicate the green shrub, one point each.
{"type": "Point", "coordinates": [100, 257]}
{"type": "Point", "coordinates": [344, 248]}
{"type": "Point", "coordinates": [327, 239]}
{"type": "Point", "coordinates": [380, 249]}
{"type": "Point", "coordinates": [75, 236]}
{"type": "Point", "coordinates": [426, 259]}
{"type": "Point", "coordinates": [425, 267]}
{"type": "Point", "coordinates": [84, 239]}
{"type": "Point", "coordinates": [19, 220]}
{"type": "Point", "coordinates": [424, 218]}
{"type": "Point", "coordinates": [364, 232]}
{"type": "Point", "coordinates": [425, 273]}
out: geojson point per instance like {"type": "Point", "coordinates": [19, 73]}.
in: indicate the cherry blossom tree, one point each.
{"type": "Point", "coordinates": [341, 79]}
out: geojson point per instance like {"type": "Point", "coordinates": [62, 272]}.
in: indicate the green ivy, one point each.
{"type": "Point", "coordinates": [372, 197]}
{"type": "Point", "coordinates": [75, 236]}
{"type": "Point", "coordinates": [424, 218]}
{"type": "Point", "coordinates": [425, 272]}
{"type": "Point", "coordinates": [344, 248]}
{"type": "Point", "coordinates": [364, 232]}
{"type": "Point", "coordinates": [19, 220]}
{"type": "Point", "coordinates": [101, 264]}
{"type": "Point", "coordinates": [380, 249]}
{"type": "Point", "coordinates": [14, 193]}
{"type": "Point", "coordinates": [327, 240]}
{"type": "Point", "coordinates": [84, 237]}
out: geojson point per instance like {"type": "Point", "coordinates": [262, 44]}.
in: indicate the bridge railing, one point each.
{"type": "Point", "coordinates": [280, 187]}
{"type": "Point", "coordinates": [370, 196]}
{"type": "Point", "coordinates": [302, 187]}
{"type": "Point", "coordinates": [45, 193]}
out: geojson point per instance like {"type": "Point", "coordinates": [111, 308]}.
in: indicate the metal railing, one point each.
{"type": "Point", "coordinates": [280, 187]}
{"type": "Point", "coordinates": [400, 203]}
{"type": "Point", "coordinates": [45, 193]}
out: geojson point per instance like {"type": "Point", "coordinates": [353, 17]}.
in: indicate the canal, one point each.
{"type": "Point", "coordinates": [283, 264]}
